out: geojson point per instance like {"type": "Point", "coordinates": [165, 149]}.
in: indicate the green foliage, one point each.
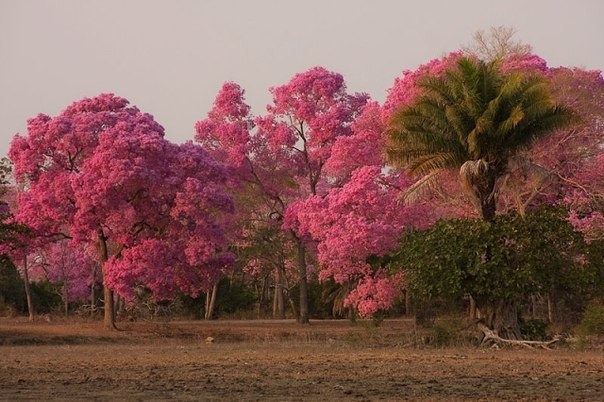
{"type": "Point", "coordinates": [448, 330]}
{"type": "Point", "coordinates": [46, 297]}
{"type": "Point", "coordinates": [326, 300]}
{"type": "Point", "coordinates": [442, 336]}
{"type": "Point", "coordinates": [190, 307]}
{"type": "Point", "coordinates": [507, 258]}
{"type": "Point", "coordinates": [534, 330]}
{"type": "Point", "coordinates": [234, 297]}
{"type": "Point", "coordinates": [10, 232]}
{"type": "Point", "coordinates": [596, 258]}
{"type": "Point", "coordinates": [593, 319]}
{"type": "Point", "coordinates": [12, 293]}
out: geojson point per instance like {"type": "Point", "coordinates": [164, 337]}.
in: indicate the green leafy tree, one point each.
{"type": "Point", "coordinates": [538, 254]}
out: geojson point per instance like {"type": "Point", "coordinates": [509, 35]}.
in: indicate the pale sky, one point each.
{"type": "Point", "coordinates": [169, 58]}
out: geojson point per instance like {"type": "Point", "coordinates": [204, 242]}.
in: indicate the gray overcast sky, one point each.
{"type": "Point", "coordinates": [169, 58]}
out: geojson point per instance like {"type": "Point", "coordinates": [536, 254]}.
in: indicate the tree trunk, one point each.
{"type": "Point", "coordinates": [263, 300]}
{"type": "Point", "coordinates": [108, 307]}
{"type": "Point", "coordinates": [291, 301]}
{"type": "Point", "coordinates": [65, 300]}
{"type": "Point", "coordinates": [408, 304]}
{"type": "Point", "coordinates": [92, 297]}
{"type": "Point", "coordinates": [211, 302]}
{"type": "Point", "coordinates": [501, 317]}
{"type": "Point", "coordinates": [30, 304]}
{"type": "Point", "coordinates": [65, 287]}
{"type": "Point", "coordinates": [550, 309]}
{"type": "Point", "coordinates": [279, 300]}
{"type": "Point", "coordinates": [119, 305]}
{"type": "Point", "coordinates": [303, 317]}
{"type": "Point", "coordinates": [472, 312]}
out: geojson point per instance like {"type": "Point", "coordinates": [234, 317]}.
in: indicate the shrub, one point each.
{"type": "Point", "coordinates": [46, 297]}
{"type": "Point", "coordinates": [234, 297]}
{"type": "Point", "coordinates": [534, 330]}
{"type": "Point", "coordinates": [442, 336]}
{"type": "Point", "coordinates": [593, 319]}
{"type": "Point", "coordinates": [12, 293]}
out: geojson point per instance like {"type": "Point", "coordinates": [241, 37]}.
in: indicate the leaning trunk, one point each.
{"type": "Point", "coordinates": [501, 316]}
{"type": "Point", "coordinates": [30, 304]}
{"type": "Point", "coordinates": [211, 302]}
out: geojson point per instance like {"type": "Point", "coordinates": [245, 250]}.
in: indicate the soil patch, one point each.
{"type": "Point", "coordinates": [277, 360]}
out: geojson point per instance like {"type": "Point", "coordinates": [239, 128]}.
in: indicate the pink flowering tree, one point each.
{"type": "Point", "coordinates": [359, 217]}
{"type": "Point", "coordinates": [283, 153]}
{"type": "Point", "coordinates": [256, 180]}
{"type": "Point", "coordinates": [354, 223]}
{"type": "Point", "coordinates": [101, 173]}
{"type": "Point", "coordinates": [162, 205]}
{"type": "Point", "coordinates": [308, 115]}
{"type": "Point", "coordinates": [575, 157]}
{"type": "Point", "coordinates": [68, 265]}
{"type": "Point", "coordinates": [405, 89]}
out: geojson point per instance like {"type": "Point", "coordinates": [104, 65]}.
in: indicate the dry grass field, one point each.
{"type": "Point", "coordinates": [279, 361]}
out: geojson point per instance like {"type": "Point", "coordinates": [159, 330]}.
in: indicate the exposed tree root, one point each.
{"type": "Point", "coordinates": [490, 337]}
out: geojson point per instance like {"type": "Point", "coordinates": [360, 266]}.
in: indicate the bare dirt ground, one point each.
{"type": "Point", "coordinates": [278, 361]}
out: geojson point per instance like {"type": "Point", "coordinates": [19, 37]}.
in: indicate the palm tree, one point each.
{"type": "Point", "coordinates": [474, 119]}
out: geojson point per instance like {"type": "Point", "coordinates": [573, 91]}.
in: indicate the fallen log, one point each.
{"type": "Point", "coordinates": [491, 337]}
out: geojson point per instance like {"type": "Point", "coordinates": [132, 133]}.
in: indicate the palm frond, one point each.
{"type": "Point", "coordinates": [421, 187]}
